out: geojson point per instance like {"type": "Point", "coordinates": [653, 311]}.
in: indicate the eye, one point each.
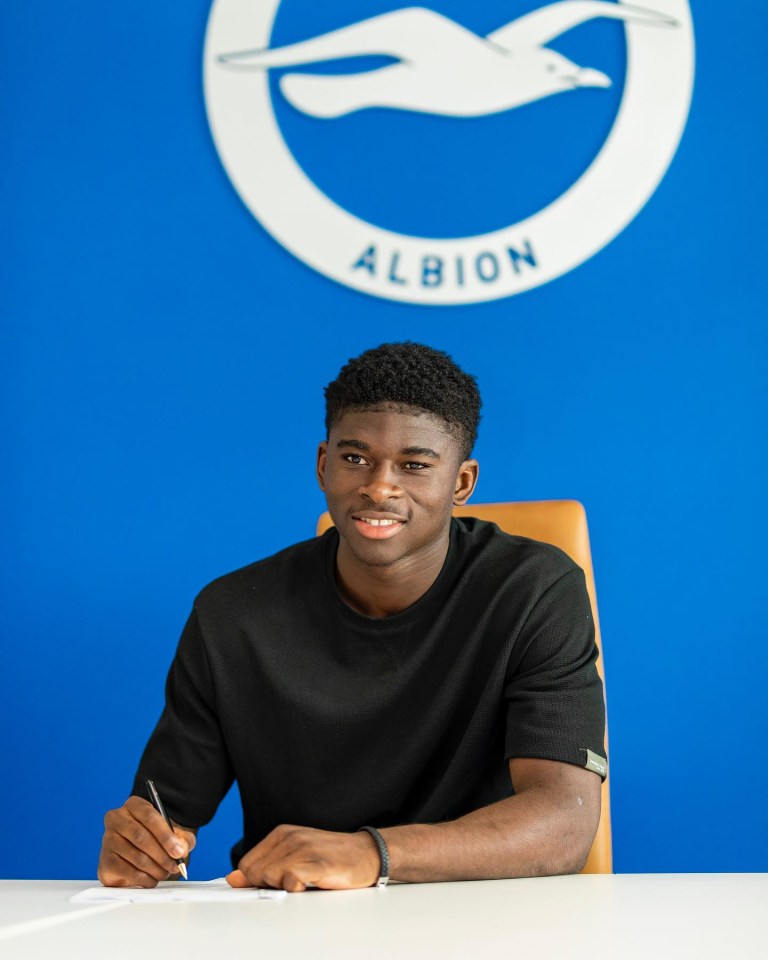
{"type": "Point", "coordinates": [415, 465]}
{"type": "Point", "coordinates": [354, 458]}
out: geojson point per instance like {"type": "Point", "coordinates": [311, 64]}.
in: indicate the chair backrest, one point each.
{"type": "Point", "coordinates": [564, 524]}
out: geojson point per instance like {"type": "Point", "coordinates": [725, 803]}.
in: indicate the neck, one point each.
{"type": "Point", "coordinates": [384, 591]}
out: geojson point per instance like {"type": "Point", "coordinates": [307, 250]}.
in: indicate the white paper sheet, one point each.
{"type": "Point", "coordinates": [178, 891]}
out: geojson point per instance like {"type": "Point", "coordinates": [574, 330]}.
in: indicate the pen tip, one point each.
{"type": "Point", "coordinates": [183, 870]}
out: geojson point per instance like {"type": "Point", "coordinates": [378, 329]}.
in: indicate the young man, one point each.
{"type": "Point", "coordinates": [429, 680]}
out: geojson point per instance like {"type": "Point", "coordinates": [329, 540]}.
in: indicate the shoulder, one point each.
{"type": "Point", "coordinates": [485, 545]}
{"type": "Point", "coordinates": [277, 575]}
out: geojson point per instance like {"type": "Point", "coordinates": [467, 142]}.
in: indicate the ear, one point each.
{"type": "Point", "coordinates": [322, 456]}
{"type": "Point", "coordinates": [466, 479]}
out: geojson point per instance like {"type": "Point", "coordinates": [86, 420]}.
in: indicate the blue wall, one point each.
{"type": "Point", "coordinates": [162, 366]}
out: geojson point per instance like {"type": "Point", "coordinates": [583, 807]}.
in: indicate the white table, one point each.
{"type": "Point", "coordinates": [569, 918]}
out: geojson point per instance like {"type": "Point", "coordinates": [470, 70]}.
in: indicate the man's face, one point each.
{"type": "Point", "coordinates": [390, 479]}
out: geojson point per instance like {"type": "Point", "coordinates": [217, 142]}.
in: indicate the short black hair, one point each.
{"type": "Point", "coordinates": [408, 375]}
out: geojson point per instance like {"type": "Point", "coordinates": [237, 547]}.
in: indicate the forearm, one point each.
{"type": "Point", "coordinates": [531, 834]}
{"type": "Point", "coordinates": [547, 827]}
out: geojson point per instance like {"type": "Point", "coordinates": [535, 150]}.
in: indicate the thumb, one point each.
{"type": "Point", "coordinates": [188, 837]}
{"type": "Point", "coordinates": [237, 879]}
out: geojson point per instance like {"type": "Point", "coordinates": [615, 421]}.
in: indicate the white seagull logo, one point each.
{"type": "Point", "coordinates": [442, 67]}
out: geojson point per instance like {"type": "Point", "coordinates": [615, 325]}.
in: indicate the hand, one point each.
{"type": "Point", "coordinates": [290, 858]}
{"type": "Point", "coordinates": [138, 848]}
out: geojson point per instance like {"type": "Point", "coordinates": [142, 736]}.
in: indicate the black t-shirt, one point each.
{"type": "Point", "coordinates": [331, 719]}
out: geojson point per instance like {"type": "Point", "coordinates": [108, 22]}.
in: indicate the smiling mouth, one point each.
{"type": "Point", "coordinates": [378, 528]}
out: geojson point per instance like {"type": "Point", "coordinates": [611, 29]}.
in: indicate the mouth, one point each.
{"type": "Point", "coordinates": [378, 526]}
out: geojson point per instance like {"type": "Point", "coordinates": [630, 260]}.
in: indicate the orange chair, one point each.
{"type": "Point", "coordinates": [563, 523]}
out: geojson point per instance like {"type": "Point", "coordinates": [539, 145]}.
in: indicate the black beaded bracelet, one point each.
{"type": "Point", "coordinates": [383, 855]}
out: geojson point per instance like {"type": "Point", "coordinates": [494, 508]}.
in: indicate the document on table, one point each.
{"type": "Point", "coordinates": [178, 891]}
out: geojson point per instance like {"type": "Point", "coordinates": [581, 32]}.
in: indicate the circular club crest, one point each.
{"type": "Point", "coordinates": [457, 270]}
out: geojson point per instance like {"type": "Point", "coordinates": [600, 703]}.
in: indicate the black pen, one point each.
{"type": "Point", "coordinates": [158, 803]}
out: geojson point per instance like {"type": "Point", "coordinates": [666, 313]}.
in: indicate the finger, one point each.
{"type": "Point", "coordinates": [267, 873]}
{"type": "Point", "coordinates": [117, 872]}
{"type": "Point", "coordinates": [278, 843]}
{"type": "Point", "coordinates": [123, 831]}
{"type": "Point", "coordinates": [265, 846]}
{"type": "Point", "coordinates": [140, 860]}
{"type": "Point", "coordinates": [292, 881]}
{"type": "Point", "coordinates": [145, 814]}
{"type": "Point", "coordinates": [237, 879]}
{"type": "Point", "coordinates": [289, 874]}
{"type": "Point", "coordinates": [135, 844]}
{"type": "Point", "coordinates": [188, 836]}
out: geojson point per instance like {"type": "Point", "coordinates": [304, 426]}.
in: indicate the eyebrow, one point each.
{"type": "Point", "coordinates": [407, 451]}
{"type": "Point", "coordinates": [355, 444]}
{"type": "Point", "coordinates": [421, 452]}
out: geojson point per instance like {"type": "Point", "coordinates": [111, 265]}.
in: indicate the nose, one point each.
{"type": "Point", "coordinates": [380, 485]}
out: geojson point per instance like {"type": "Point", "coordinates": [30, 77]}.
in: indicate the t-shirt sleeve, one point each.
{"type": "Point", "coordinates": [186, 755]}
{"type": "Point", "coordinates": [554, 695]}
